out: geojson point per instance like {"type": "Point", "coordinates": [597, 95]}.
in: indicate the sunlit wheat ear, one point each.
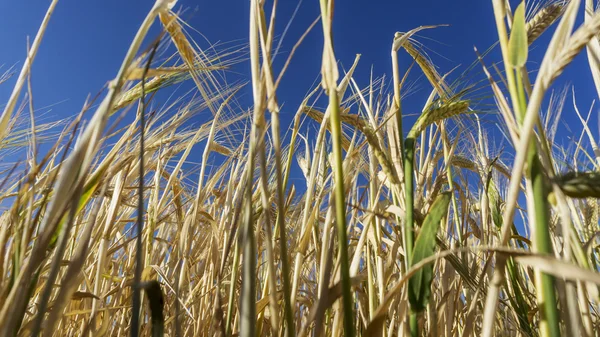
{"type": "Point", "coordinates": [435, 79]}
{"type": "Point", "coordinates": [543, 19]}
{"type": "Point", "coordinates": [580, 184]}
{"type": "Point", "coordinates": [349, 119]}
{"type": "Point", "coordinates": [159, 78]}
{"type": "Point", "coordinates": [205, 82]}
{"type": "Point", "coordinates": [573, 47]}
{"type": "Point", "coordinates": [383, 158]}
{"type": "Point", "coordinates": [152, 85]}
{"type": "Point", "coordinates": [465, 163]}
{"type": "Point", "coordinates": [435, 115]}
{"type": "Point", "coordinates": [354, 120]}
{"type": "Point", "coordinates": [369, 133]}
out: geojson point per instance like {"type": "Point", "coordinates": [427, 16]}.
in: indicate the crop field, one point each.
{"type": "Point", "coordinates": [206, 215]}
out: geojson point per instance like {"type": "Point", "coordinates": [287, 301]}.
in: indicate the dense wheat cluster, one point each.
{"type": "Point", "coordinates": [169, 227]}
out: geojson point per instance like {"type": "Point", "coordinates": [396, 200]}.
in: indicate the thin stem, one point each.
{"type": "Point", "coordinates": [280, 223]}
{"type": "Point", "coordinates": [232, 283]}
{"type": "Point", "coordinates": [340, 210]}
{"type": "Point", "coordinates": [409, 233]}
{"type": "Point", "coordinates": [542, 240]}
{"type": "Point", "coordinates": [137, 298]}
{"type": "Point", "coordinates": [543, 243]}
{"type": "Point", "coordinates": [397, 99]}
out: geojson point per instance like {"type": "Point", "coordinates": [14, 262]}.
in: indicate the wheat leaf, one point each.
{"type": "Point", "coordinates": [517, 45]}
{"type": "Point", "coordinates": [419, 286]}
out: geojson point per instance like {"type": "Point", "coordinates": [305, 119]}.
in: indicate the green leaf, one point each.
{"type": "Point", "coordinates": [419, 285]}
{"type": "Point", "coordinates": [90, 189]}
{"type": "Point", "coordinates": [495, 203]}
{"type": "Point", "coordinates": [517, 45]}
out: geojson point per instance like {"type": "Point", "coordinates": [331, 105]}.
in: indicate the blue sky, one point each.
{"type": "Point", "coordinates": [86, 41]}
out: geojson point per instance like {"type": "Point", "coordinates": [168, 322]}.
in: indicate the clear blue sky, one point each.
{"type": "Point", "coordinates": [86, 41]}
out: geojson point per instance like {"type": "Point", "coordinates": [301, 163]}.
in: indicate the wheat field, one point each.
{"type": "Point", "coordinates": [166, 227]}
